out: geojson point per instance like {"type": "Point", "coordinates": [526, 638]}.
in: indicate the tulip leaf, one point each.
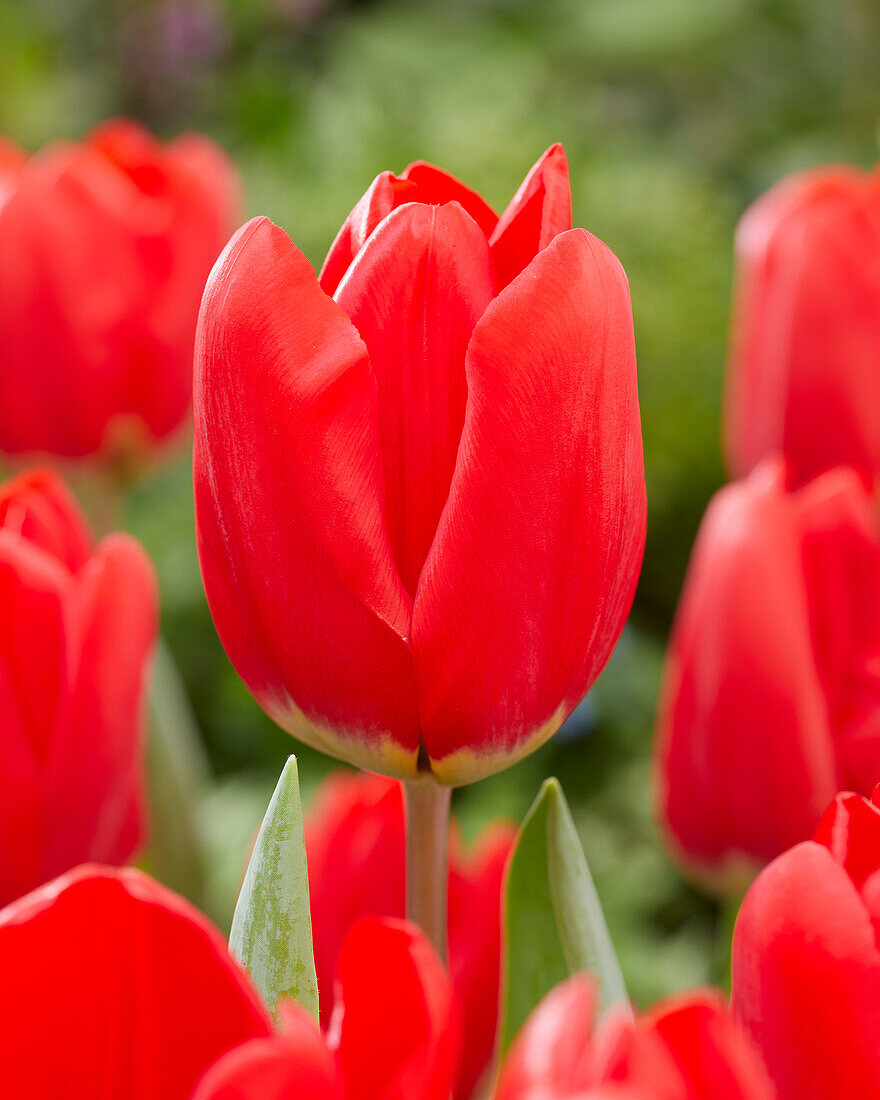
{"type": "Point", "coordinates": [272, 925]}
{"type": "Point", "coordinates": [554, 922]}
{"type": "Point", "coordinates": [178, 777]}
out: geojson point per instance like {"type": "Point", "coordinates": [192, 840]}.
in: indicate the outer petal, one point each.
{"type": "Point", "coordinates": [397, 1029]}
{"type": "Point", "coordinates": [539, 211]}
{"type": "Point", "coordinates": [745, 759]}
{"type": "Point", "coordinates": [535, 561]}
{"type": "Point", "coordinates": [293, 1066]}
{"type": "Point", "coordinates": [803, 367]}
{"type": "Point", "coordinates": [429, 266]}
{"type": "Point", "coordinates": [33, 645]}
{"type": "Point", "coordinates": [94, 777]}
{"type": "Point", "coordinates": [192, 214]}
{"type": "Point", "coordinates": [806, 978]}
{"type": "Point", "coordinates": [551, 1056]}
{"type": "Point", "coordinates": [289, 507]}
{"type": "Point", "coordinates": [356, 842]}
{"type": "Point", "coordinates": [686, 1047]}
{"type": "Point", "coordinates": [68, 275]}
{"type": "Point", "coordinates": [38, 506]}
{"type": "Point", "coordinates": [134, 986]}
{"type": "Point", "coordinates": [841, 552]}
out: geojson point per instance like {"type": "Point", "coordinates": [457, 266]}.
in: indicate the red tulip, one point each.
{"type": "Point", "coordinates": [420, 503]}
{"type": "Point", "coordinates": [806, 964]}
{"type": "Point", "coordinates": [105, 247]}
{"type": "Point", "coordinates": [76, 638]}
{"type": "Point", "coordinates": [395, 1039]}
{"type": "Point", "coordinates": [771, 700]}
{"type": "Point", "coordinates": [805, 356]}
{"type": "Point", "coordinates": [115, 987]}
{"type": "Point", "coordinates": [355, 836]}
{"type": "Point", "coordinates": [686, 1048]}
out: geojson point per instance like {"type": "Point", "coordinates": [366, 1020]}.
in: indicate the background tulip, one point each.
{"type": "Point", "coordinates": [394, 1036]}
{"type": "Point", "coordinates": [355, 836]}
{"type": "Point", "coordinates": [420, 503]}
{"type": "Point", "coordinates": [806, 964]}
{"type": "Point", "coordinates": [105, 247]}
{"type": "Point", "coordinates": [771, 699]}
{"type": "Point", "coordinates": [805, 357]}
{"type": "Point", "coordinates": [686, 1048]}
{"type": "Point", "coordinates": [114, 986]}
{"type": "Point", "coordinates": [77, 631]}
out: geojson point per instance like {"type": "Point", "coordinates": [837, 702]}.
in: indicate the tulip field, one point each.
{"type": "Point", "coordinates": [439, 550]}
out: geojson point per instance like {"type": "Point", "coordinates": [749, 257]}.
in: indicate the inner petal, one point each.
{"type": "Point", "coordinates": [415, 292]}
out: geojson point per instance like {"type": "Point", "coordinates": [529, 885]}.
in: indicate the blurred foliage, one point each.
{"type": "Point", "coordinates": [674, 114]}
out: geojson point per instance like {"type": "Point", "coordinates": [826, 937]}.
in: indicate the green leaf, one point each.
{"type": "Point", "coordinates": [178, 773]}
{"type": "Point", "coordinates": [554, 922]}
{"type": "Point", "coordinates": [272, 925]}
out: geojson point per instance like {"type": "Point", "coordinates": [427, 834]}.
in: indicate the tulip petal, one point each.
{"type": "Point", "coordinates": [21, 805]}
{"type": "Point", "coordinates": [841, 552]}
{"type": "Point", "coordinates": [539, 210]}
{"type": "Point", "coordinates": [356, 844]}
{"type": "Point", "coordinates": [295, 1065]}
{"type": "Point", "coordinates": [94, 809]}
{"type": "Point", "coordinates": [397, 1030]}
{"type": "Point", "coordinates": [805, 974]}
{"type": "Point", "coordinates": [133, 986]}
{"type": "Point", "coordinates": [33, 591]}
{"type": "Point", "coordinates": [534, 565]}
{"type": "Point", "coordinates": [65, 227]}
{"type": "Point", "coordinates": [551, 1054]}
{"type": "Point", "coordinates": [431, 266]}
{"type": "Point", "coordinates": [745, 755]}
{"type": "Point", "coordinates": [802, 376]}
{"type": "Point", "coordinates": [384, 194]}
{"type": "Point", "coordinates": [439, 187]}
{"type": "Point", "coordinates": [38, 506]}
{"type": "Point", "coordinates": [687, 1046]}
{"type": "Point", "coordinates": [294, 552]}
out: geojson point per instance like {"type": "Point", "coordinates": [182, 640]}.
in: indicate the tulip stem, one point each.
{"type": "Point", "coordinates": [427, 858]}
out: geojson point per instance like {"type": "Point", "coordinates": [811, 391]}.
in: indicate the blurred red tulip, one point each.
{"type": "Point", "coordinates": [771, 699]}
{"type": "Point", "coordinates": [686, 1048]}
{"type": "Point", "coordinates": [115, 987]}
{"type": "Point", "coordinates": [806, 964]}
{"type": "Point", "coordinates": [76, 638]}
{"type": "Point", "coordinates": [355, 836]}
{"type": "Point", "coordinates": [805, 357]}
{"type": "Point", "coordinates": [105, 247]}
{"type": "Point", "coordinates": [421, 502]}
{"type": "Point", "coordinates": [394, 1034]}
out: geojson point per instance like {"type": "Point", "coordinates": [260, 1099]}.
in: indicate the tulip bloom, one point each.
{"type": "Point", "coordinates": [76, 639]}
{"type": "Point", "coordinates": [686, 1048]}
{"type": "Point", "coordinates": [114, 986]}
{"type": "Point", "coordinates": [355, 837]}
{"type": "Point", "coordinates": [771, 699]}
{"type": "Point", "coordinates": [806, 963]}
{"type": "Point", "coordinates": [419, 483]}
{"type": "Point", "coordinates": [105, 247]}
{"type": "Point", "coordinates": [805, 357]}
{"type": "Point", "coordinates": [394, 1035]}
{"type": "Point", "coordinates": [158, 1000]}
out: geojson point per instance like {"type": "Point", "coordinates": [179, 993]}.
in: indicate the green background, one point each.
{"type": "Point", "coordinates": [674, 114]}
